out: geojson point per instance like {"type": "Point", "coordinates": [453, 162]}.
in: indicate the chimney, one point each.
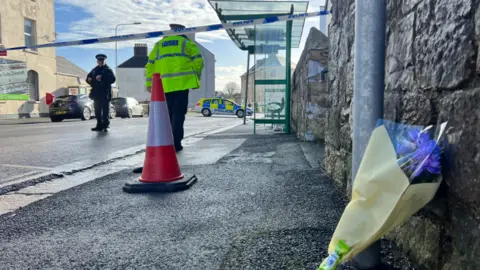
{"type": "Point", "coordinates": [140, 49]}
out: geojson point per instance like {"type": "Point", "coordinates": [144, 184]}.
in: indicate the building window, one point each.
{"type": "Point", "coordinates": [29, 33]}
{"type": "Point", "coordinates": [32, 80]}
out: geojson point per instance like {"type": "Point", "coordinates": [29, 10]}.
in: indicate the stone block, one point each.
{"type": "Point", "coordinates": [443, 44]}
{"type": "Point", "coordinates": [328, 160]}
{"type": "Point", "coordinates": [477, 34]}
{"type": "Point", "coordinates": [332, 128]}
{"type": "Point", "coordinates": [345, 138]}
{"type": "Point", "coordinates": [392, 105]}
{"type": "Point", "coordinates": [336, 163]}
{"type": "Point", "coordinates": [465, 236]}
{"type": "Point", "coordinates": [399, 54]}
{"type": "Point", "coordinates": [416, 109]}
{"type": "Point", "coordinates": [317, 87]}
{"type": "Point", "coordinates": [420, 238]}
{"type": "Point", "coordinates": [462, 111]}
{"type": "Point", "coordinates": [317, 128]}
{"type": "Point", "coordinates": [321, 99]}
{"type": "Point", "coordinates": [320, 55]}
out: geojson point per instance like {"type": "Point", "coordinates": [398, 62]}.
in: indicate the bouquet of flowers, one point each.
{"type": "Point", "coordinates": [399, 174]}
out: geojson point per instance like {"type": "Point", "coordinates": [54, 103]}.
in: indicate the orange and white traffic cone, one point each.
{"type": "Point", "coordinates": [161, 171]}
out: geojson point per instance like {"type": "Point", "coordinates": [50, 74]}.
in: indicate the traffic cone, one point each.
{"type": "Point", "coordinates": [161, 171]}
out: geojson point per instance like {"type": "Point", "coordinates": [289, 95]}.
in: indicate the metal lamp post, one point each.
{"type": "Point", "coordinates": [116, 55]}
{"type": "Point", "coordinates": [369, 75]}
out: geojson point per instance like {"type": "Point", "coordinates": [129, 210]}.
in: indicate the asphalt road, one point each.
{"type": "Point", "coordinates": [27, 149]}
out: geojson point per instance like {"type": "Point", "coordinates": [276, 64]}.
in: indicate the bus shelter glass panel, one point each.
{"type": "Point", "coordinates": [270, 78]}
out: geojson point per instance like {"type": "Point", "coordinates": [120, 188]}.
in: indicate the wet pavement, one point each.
{"type": "Point", "coordinates": [261, 202]}
{"type": "Point", "coordinates": [29, 150]}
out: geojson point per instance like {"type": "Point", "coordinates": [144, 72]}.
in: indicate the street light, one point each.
{"type": "Point", "coordinates": [116, 56]}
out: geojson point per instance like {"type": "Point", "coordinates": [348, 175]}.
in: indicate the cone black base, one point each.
{"type": "Point", "coordinates": [138, 170]}
{"type": "Point", "coordinates": [139, 187]}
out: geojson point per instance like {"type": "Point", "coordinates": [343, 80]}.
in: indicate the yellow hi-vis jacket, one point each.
{"type": "Point", "coordinates": [179, 62]}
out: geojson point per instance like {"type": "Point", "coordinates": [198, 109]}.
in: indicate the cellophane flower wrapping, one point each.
{"type": "Point", "coordinates": [400, 173]}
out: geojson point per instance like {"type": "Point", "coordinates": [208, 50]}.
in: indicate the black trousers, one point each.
{"type": "Point", "coordinates": [102, 112]}
{"type": "Point", "coordinates": [177, 103]}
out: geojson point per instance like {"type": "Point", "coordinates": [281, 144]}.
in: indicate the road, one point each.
{"type": "Point", "coordinates": [36, 148]}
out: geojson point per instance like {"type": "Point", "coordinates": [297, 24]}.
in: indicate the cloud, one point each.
{"type": "Point", "coordinates": [226, 74]}
{"type": "Point", "coordinates": [103, 16]}
{"type": "Point", "coordinates": [155, 15]}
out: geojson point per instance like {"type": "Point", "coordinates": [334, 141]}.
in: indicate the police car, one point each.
{"type": "Point", "coordinates": [209, 106]}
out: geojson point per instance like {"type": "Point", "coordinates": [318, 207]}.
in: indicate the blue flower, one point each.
{"type": "Point", "coordinates": [427, 157]}
{"type": "Point", "coordinates": [418, 153]}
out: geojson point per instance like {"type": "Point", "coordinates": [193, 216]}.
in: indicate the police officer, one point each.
{"type": "Point", "coordinates": [101, 79]}
{"type": "Point", "coordinates": [180, 64]}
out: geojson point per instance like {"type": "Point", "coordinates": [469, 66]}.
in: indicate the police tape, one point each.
{"type": "Point", "coordinates": [174, 32]}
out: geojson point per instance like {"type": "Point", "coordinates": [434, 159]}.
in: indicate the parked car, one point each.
{"type": "Point", "coordinates": [209, 106]}
{"type": "Point", "coordinates": [74, 106]}
{"type": "Point", "coordinates": [128, 107]}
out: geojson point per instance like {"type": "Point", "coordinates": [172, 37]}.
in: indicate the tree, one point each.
{"type": "Point", "coordinates": [230, 89]}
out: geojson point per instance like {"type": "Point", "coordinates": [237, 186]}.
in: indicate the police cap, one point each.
{"type": "Point", "coordinates": [101, 56]}
{"type": "Point", "coordinates": [176, 26]}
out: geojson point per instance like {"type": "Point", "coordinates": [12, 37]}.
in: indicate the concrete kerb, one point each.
{"type": "Point", "coordinates": [16, 184]}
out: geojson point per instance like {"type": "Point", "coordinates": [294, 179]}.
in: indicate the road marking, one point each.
{"type": "Point", "coordinates": [27, 167]}
{"type": "Point", "coordinates": [24, 177]}
{"type": "Point", "coordinates": [191, 155]}
{"type": "Point", "coordinates": [79, 166]}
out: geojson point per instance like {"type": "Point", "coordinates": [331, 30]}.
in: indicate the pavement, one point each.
{"type": "Point", "coordinates": [261, 202]}
{"type": "Point", "coordinates": [46, 149]}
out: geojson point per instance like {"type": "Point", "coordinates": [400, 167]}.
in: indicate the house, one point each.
{"type": "Point", "coordinates": [237, 97]}
{"type": "Point", "coordinates": [131, 76]}
{"type": "Point", "coordinates": [26, 75]}
{"type": "Point", "coordinates": [271, 67]}
{"type": "Point", "coordinates": [70, 78]}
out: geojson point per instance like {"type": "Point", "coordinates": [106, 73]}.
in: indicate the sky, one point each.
{"type": "Point", "coordinates": [81, 19]}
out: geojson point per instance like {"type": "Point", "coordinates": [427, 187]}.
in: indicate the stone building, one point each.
{"type": "Point", "coordinates": [25, 22]}
{"type": "Point", "coordinates": [27, 75]}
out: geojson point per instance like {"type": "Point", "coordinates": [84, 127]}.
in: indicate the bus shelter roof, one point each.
{"type": "Point", "coordinates": [268, 37]}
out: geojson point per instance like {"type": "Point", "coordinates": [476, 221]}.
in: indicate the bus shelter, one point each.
{"type": "Point", "coordinates": [267, 85]}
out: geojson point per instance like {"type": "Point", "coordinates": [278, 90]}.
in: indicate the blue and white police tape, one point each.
{"type": "Point", "coordinates": [174, 32]}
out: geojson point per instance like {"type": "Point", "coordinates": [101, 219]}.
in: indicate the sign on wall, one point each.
{"type": "Point", "coordinates": [13, 80]}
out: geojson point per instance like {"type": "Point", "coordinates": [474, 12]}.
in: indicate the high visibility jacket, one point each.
{"type": "Point", "coordinates": [179, 62]}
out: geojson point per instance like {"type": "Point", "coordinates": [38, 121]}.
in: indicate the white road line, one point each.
{"type": "Point", "coordinates": [81, 165]}
{"type": "Point", "coordinates": [12, 201]}
{"type": "Point", "coordinates": [27, 167]}
{"type": "Point", "coordinates": [20, 178]}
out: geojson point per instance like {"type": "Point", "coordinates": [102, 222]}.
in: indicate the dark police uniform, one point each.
{"type": "Point", "coordinates": [101, 93]}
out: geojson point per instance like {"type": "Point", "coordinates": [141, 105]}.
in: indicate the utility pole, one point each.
{"type": "Point", "coordinates": [369, 76]}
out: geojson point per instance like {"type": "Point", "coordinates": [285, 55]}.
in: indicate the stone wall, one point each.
{"type": "Point", "coordinates": [432, 68]}
{"type": "Point", "coordinates": [310, 99]}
